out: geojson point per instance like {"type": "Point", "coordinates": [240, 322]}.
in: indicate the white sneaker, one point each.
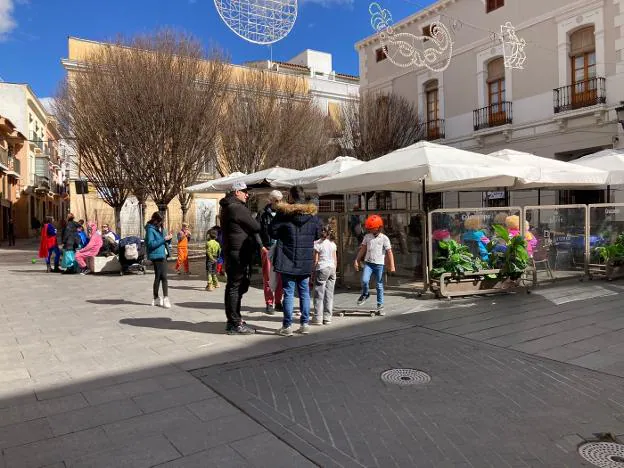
{"type": "Point", "coordinates": [285, 331]}
{"type": "Point", "coordinates": [166, 304]}
{"type": "Point", "coordinates": [158, 302]}
{"type": "Point", "coordinates": [304, 329]}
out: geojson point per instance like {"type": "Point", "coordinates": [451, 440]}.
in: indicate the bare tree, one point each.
{"type": "Point", "coordinates": [99, 147]}
{"type": "Point", "coordinates": [155, 104]}
{"type": "Point", "coordinates": [270, 119]}
{"type": "Point", "coordinates": [378, 124]}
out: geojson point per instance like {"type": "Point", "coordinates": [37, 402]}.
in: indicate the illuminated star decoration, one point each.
{"type": "Point", "coordinates": [405, 49]}
{"type": "Point", "coordinates": [258, 21]}
{"type": "Point", "coordinates": [513, 48]}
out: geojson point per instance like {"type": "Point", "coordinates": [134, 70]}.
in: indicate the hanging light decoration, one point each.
{"type": "Point", "coordinates": [405, 50]}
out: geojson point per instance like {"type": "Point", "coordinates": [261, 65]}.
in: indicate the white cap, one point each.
{"type": "Point", "coordinates": [239, 185]}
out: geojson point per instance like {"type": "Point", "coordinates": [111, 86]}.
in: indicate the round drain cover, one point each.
{"type": "Point", "coordinates": [603, 454]}
{"type": "Point", "coordinates": [405, 377]}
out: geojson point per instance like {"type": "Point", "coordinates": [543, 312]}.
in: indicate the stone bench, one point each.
{"type": "Point", "coordinates": [104, 264]}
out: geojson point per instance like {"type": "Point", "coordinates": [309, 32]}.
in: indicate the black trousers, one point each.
{"type": "Point", "coordinates": [160, 276]}
{"type": "Point", "coordinates": [11, 238]}
{"type": "Point", "coordinates": [238, 277]}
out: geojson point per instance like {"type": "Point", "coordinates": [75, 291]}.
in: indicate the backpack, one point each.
{"type": "Point", "coordinates": [131, 252]}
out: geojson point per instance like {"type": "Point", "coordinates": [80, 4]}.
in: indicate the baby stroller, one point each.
{"type": "Point", "coordinates": [131, 255]}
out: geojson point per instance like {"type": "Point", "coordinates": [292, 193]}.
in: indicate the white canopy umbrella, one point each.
{"type": "Point", "coordinates": [609, 160]}
{"type": "Point", "coordinates": [209, 186]}
{"type": "Point", "coordinates": [552, 173]}
{"type": "Point", "coordinates": [309, 177]}
{"type": "Point", "coordinates": [264, 177]}
{"type": "Point", "coordinates": [441, 168]}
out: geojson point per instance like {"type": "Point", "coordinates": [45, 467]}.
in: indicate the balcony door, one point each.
{"type": "Point", "coordinates": [583, 64]}
{"type": "Point", "coordinates": [496, 92]}
{"type": "Point", "coordinates": [433, 116]}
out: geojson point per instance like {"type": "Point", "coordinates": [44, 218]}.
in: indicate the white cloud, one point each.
{"type": "Point", "coordinates": [7, 23]}
{"type": "Point", "coordinates": [328, 3]}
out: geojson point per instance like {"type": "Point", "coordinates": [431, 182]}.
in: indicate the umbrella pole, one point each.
{"type": "Point", "coordinates": [608, 194]}
{"type": "Point", "coordinates": [425, 237]}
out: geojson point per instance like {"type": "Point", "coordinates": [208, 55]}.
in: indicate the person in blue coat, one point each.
{"type": "Point", "coordinates": [157, 245]}
{"type": "Point", "coordinates": [295, 228]}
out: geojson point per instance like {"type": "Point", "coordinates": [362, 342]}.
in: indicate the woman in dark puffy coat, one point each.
{"type": "Point", "coordinates": [295, 228]}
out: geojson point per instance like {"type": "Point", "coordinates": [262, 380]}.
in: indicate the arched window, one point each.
{"type": "Point", "coordinates": [496, 81]}
{"type": "Point", "coordinates": [583, 66]}
{"type": "Point", "coordinates": [431, 92]}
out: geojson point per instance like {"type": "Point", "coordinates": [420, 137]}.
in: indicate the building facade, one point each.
{"type": "Point", "coordinates": [11, 144]}
{"type": "Point", "coordinates": [329, 89]}
{"type": "Point", "coordinates": [40, 191]}
{"type": "Point", "coordinates": [561, 105]}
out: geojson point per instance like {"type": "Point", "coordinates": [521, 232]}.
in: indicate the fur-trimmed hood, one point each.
{"type": "Point", "coordinates": [294, 209]}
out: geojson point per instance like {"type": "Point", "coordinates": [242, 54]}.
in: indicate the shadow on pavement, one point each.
{"type": "Point", "coordinates": [165, 323]}
{"type": "Point", "coordinates": [115, 302]}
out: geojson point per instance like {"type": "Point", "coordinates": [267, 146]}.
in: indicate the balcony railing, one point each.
{"type": "Point", "coordinates": [583, 93]}
{"type": "Point", "coordinates": [4, 157]}
{"type": "Point", "coordinates": [433, 129]}
{"type": "Point", "coordinates": [492, 116]}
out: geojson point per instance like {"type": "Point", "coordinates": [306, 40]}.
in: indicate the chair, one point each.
{"type": "Point", "coordinates": [541, 257]}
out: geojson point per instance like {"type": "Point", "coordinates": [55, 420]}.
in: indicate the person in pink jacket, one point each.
{"type": "Point", "coordinates": [91, 249]}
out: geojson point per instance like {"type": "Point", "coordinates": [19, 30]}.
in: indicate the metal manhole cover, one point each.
{"type": "Point", "coordinates": [603, 454]}
{"type": "Point", "coordinates": [405, 377]}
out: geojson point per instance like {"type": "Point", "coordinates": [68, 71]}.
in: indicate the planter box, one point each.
{"type": "Point", "coordinates": [609, 271]}
{"type": "Point", "coordinates": [470, 284]}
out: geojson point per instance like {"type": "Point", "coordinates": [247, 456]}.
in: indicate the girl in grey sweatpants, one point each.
{"type": "Point", "coordinates": [325, 262]}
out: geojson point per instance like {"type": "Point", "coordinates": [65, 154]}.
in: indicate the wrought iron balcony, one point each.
{"type": "Point", "coordinates": [15, 165]}
{"type": "Point", "coordinates": [492, 116]}
{"type": "Point", "coordinates": [583, 93]}
{"type": "Point", "coordinates": [4, 157]}
{"type": "Point", "coordinates": [433, 129]}
{"type": "Point", "coordinates": [36, 142]}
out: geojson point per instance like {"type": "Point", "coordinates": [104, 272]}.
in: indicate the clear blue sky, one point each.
{"type": "Point", "coordinates": [33, 33]}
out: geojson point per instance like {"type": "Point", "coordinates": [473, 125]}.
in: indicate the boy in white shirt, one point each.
{"type": "Point", "coordinates": [374, 249]}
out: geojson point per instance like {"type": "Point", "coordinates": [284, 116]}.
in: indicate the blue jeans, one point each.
{"type": "Point", "coordinates": [57, 256]}
{"type": "Point", "coordinates": [302, 283]}
{"type": "Point", "coordinates": [377, 270]}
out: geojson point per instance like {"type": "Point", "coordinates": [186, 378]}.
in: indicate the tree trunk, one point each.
{"type": "Point", "coordinates": [117, 210]}
{"type": "Point", "coordinates": [184, 213]}
{"type": "Point", "coordinates": [162, 209]}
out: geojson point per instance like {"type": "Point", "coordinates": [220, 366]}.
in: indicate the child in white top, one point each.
{"type": "Point", "coordinates": [325, 262]}
{"type": "Point", "coordinates": [374, 250]}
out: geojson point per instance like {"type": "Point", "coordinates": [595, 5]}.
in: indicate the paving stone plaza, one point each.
{"type": "Point", "coordinates": [92, 375]}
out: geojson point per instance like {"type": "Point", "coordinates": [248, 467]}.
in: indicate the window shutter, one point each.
{"type": "Point", "coordinates": [496, 69]}
{"type": "Point", "coordinates": [582, 41]}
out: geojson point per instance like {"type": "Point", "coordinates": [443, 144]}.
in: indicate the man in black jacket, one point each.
{"type": "Point", "coordinates": [241, 235]}
{"type": "Point", "coordinates": [296, 227]}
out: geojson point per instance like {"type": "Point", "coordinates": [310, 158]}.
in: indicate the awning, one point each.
{"type": "Point", "coordinates": [440, 167]}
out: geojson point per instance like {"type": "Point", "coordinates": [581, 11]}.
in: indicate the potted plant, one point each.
{"type": "Point", "coordinates": [457, 272]}
{"type": "Point", "coordinates": [612, 257]}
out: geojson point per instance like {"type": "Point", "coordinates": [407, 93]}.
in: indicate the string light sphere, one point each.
{"type": "Point", "coordinates": [258, 21]}
{"type": "Point", "coordinates": [409, 50]}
